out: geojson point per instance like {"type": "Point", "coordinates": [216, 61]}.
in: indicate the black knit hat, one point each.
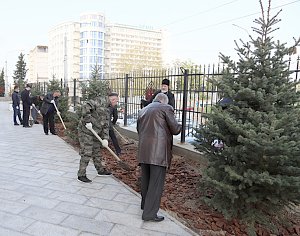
{"type": "Point", "coordinates": [166, 82]}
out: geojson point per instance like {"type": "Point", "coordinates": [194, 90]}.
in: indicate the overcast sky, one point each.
{"type": "Point", "coordinates": [197, 30]}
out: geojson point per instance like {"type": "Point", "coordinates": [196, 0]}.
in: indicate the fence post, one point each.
{"type": "Point", "coordinates": [184, 105]}
{"type": "Point", "coordinates": [126, 99]}
{"type": "Point", "coordinates": [74, 94]}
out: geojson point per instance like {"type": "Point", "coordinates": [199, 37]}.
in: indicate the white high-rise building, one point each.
{"type": "Point", "coordinates": [64, 53]}
{"type": "Point", "coordinates": [38, 65]}
{"type": "Point", "coordinates": [76, 49]}
{"type": "Point", "coordinates": [92, 31]}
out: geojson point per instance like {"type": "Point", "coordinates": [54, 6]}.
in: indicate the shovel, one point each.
{"type": "Point", "coordinates": [30, 120]}
{"type": "Point", "coordinates": [125, 140]}
{"type": "Point", "coordinates": [122, 164]}
{"type": "Point", "coordinates": [39, 112]}
{"type": "Point", "coordinates": [58, 113]}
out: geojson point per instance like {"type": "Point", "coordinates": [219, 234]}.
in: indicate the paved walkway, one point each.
{"type": "Point", "coordinates": [40, 195]}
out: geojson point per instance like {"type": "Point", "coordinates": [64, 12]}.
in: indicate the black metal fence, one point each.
{"type": "Point", "coordinates": [193, 90]}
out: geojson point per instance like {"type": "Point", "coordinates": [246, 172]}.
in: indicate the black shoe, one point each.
{"type": "Point", "coordinates": [104, 173]}
{"type": "Point", "coordinates": [46, 134]}
{"type": "Point", "coordinates": [155, 219]}
{"type": "Point", "coordinates": [16, 124]}
{"type": "Point", "coordinates": [54, 133]}
{"type": "Point", "coordinates": [84, 179]}
{"type": "Point", "coordinates": [36, 122]}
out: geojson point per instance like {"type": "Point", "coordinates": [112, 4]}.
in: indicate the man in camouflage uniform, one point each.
{"type": "Point", "coordinates": [96, 112]}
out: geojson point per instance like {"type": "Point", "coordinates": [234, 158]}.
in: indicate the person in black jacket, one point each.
{"type": "Point", "coordinates": [16, 105]}
{"type": "Point", "coordinates": [113, 100]}
{"type": "Point", "coordinates": [48, 111]}
{"type": "Point", "coordinates": [164, 89]}
{"type": "Point", "coordinates": [26, 101]}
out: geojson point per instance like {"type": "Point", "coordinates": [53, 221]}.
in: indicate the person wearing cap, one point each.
{"type": "Point", "coordinates": [165, 89]}
{"type": "Point", "coordinates": [26, 101]}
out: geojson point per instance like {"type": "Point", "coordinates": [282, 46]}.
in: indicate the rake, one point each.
{"type": "Point", "coordinates": [127, 142]}
{"type": "Point", "coordinates": [122, 164]}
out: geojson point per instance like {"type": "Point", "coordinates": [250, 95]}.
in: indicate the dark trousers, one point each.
{"type": "Point", "coordinates": [26, 112]}
{"type": "Point", "coordinates": [17, 113]}
{"type": "Point", "coordinates": [49, 119]}
{"type": "Point", "coordinates": [114, 140]}
{"type": "Point", "coordinates": [152, 185]}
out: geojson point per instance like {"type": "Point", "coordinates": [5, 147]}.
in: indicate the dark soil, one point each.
{"type": "Point", "coordinates": [181, 194]}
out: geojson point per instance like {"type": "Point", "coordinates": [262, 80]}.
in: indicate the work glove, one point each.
{"type": "Point", "coordinates": [105, 143]}
{"type": "Point", "coordinates": [89, 126]}
{"type": "Point", "coordinates": [30, 107]}
{"type": "Point", "coordinates": [52, 101]}
{"type": "Point", "coordinates": [17, 107]}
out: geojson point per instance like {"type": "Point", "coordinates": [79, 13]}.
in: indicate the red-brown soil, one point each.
{"type": "Point", "coordinates": [181, 195]}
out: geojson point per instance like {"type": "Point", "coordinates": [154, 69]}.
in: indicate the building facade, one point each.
{"type": "Point", "coordinates": [76, 49]}
{"type": "Point", "coordinates": [131, 48]}
{"type": "Point", "coordinates": [38, 65]}
{"type": "Point", "coordinates": [92, 33]}
{"type": "Point", "coordinates": [64, 53]}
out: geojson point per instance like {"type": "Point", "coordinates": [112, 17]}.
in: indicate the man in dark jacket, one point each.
{"type": "Point", "coordinates": [48, 110]}
{"type": "Point", "coordinates": [113, 101]}
{"type": "Point", "coordinates": [156, 126]}
{"type": "Point", "coordinates": [16, 105]}
{"type": "Point", "coordinates": [164, 89]}
{"type": "Point", "coordinates": [26, 101]}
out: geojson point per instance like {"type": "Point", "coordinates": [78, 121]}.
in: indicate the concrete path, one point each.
{"type": "Point", "coordinates": [40, 194]}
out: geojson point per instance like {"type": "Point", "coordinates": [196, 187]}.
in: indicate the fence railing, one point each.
{"type": "Point", "coordinates": [193, 90]}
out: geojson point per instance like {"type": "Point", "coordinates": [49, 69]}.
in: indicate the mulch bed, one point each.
{"type": "Point", "coordinates": [181, 194]}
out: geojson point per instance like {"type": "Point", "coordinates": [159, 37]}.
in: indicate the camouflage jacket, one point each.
{"type": "Point", "coordinates": [96, 112]}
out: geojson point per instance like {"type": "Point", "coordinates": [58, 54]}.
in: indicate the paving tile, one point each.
{"type": "Point", "coordinates": [60, 186]}
{"type": "Point", "coordinates": [9, 185]}
{"type": "Point", "coordinates": [46, 229]}
{"type": "Point", "coordinates": [33, 190]}
{"type": "Point", "coordinates": [68, 197]}
{"type": "Point", "coordinates": [127, 198]}
{"type": "Point", "coordinates": [97, 193]}
{"type": "Point", "coordinates": [76, 209]}
{"type": "Point", "coordinates": [123, 230]}
{"type": "Point", "coordinates": [120, 218]}
{"type": "Point", "coordinates": [43, 214]}
{"type": "Point", "coordinates": [12, 206]}
{"type": "Point", "coordinates": [14, 222]}
{"type": "Point", "coordinates": [39, 201]}
{"type": "Point", "coordinates": [10, 194]}
{"type": "Point", "coordinates": [32, 182]}
{"type": "Point", "coordinates": [88, 225]}
{"type": "Point", "coordinates": [166, 226]}
{"type": "Point", "coordinates": [9, 232]}
{"type": "Point", "coordinates": [107, 204]}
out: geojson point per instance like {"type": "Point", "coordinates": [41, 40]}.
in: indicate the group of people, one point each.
{"type": "Point", "coordinates": [30, 108]}
{"type": "Point", "coordinates": [156, 125]}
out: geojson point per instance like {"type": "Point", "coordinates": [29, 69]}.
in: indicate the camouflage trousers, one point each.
{"type": "Point", "coordinates": [89, 149]}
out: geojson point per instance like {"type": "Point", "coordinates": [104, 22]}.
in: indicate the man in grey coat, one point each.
{"type": "Point", "coordinates": [156, 126]}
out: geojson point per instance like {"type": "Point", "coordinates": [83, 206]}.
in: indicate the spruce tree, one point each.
{"type": "Point", "coordinates": [2, 83]}
{"type": "Point", "coordinates": [256, 175]}
{"type": "Point", "coordinates": [20, 71]}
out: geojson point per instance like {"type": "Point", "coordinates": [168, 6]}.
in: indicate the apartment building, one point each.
{"type": "Point", "coordinates": [38, 64]}
{"type": "Point", "coordinates": [131, 48]}
{"type": "Point", "coordinates": [77, 48]}
{"type": "Point", "coordinates": [64, 53]}
{"type": "Point", "coordinates": [92, 33]}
